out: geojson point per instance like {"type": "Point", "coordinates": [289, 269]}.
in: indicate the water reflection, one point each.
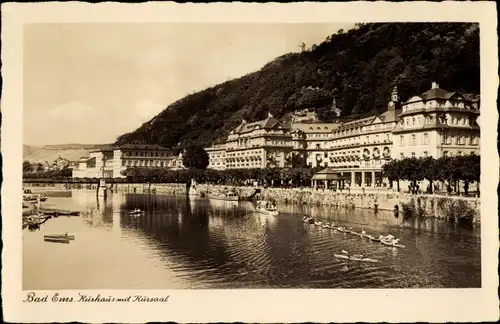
{"type": "Point", "coordinates": [206, 243]}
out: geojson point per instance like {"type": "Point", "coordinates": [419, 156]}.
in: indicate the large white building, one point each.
{"type": "Point", "coordinates": [436, 123]}
{"type": "Point", "coordinates": [261, 144]}
{"type": "Point", "coordinates": [109, 162]}
{"type": "Point", "coordinates": [217, 157]}
{"type": "Point", "coordinates": [313, 141]}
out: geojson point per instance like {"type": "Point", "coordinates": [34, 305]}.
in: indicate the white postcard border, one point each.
{"type": "Point", "coordinates": [320, 305]}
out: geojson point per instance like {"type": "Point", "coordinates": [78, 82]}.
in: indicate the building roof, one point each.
{"type": "Point", "coordinates": [216, 147]}
{"type": "Point", "coordinates": [315, 127]}
{"type": "Point", "coordinates": [91, 160]}
{"type": "Point", "coordinates": [108, 148]}
{"type": "Point", "coordinates": [268, 123]}
{"type": "Point", "coordinates": [356, 123]}
{"type": "Point", "coordinates": [328, 174]}
{"type": "Point", "coordinates": [142, 147]}
{"type": "Point", "coordinates": [437, 93]}
{"type": "Point", "coordinates": [390, 115]}
{"type": "Point", "coordinates": [471, 97]}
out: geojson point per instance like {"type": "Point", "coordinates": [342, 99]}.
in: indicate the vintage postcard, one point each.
{"type": "Point", "coordinates": [301, 162]}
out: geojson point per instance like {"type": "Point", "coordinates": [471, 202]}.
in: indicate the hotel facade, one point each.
{"type": "Point", "coordinates": [111, 161]}
{"type": "Point", "coordinates": [435, 123]}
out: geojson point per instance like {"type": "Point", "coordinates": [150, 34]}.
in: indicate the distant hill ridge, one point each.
{"type": "Point", "coordinates": [357, 68]}
{"type": "Point", "coordinates": [49, 153]}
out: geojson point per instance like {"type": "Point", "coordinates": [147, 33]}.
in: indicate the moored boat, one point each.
{"type": "Point", "coordinates": [60, 236]}
{"type": "Point", "coordinates": [266, 208]}
{"type": "Point", "coordinates": [228, 196]}
{"type": "Point", "coordinates": [56, 239]}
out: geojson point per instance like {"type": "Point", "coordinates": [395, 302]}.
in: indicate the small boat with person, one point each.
{"type": "Point", "coordinates": [355, 257]}
{"type": "Point", "coordinates": [64, 236]}
{"type": "Point", "coordinates": [342, 229]}
{"type": "Point", "coordinates": [56, 239]}
{"type": "Point", "coordinates": [267, 208]}
{"type": "Point", "coordinates": [308, 220]}
{"type": "Point", "coordinates": [393, 243]}
{"type": "Point", "coordinates": [390, 240]}
{"type": "Point", "coordinates": [136, 212]}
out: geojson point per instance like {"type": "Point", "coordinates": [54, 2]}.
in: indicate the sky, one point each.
{"type": "Point", "coordinates": [90, 83]}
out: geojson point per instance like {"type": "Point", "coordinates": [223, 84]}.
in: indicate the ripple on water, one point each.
{"type": "Point", "coordinates": [213, 244]}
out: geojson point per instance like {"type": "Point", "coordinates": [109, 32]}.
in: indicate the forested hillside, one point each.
{"type": "Point", "coordinates": [358, 68]}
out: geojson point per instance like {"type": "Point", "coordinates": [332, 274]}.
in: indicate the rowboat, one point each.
{"type": "Point", "coordinates": [266, 208]}
{"type": "Point", "coordinates": [308, 220]}
{"type": "Point", "coordinates": [354, 258]}
{"type": "Point", "coordinates": [371, 237]}
{"type": "Point", "coordinates": [267, 211]}
{"type": "Point", "coordinates": [355, 233]}
{"type": "Point", "coordinates": [392, 244]}
{"type": "Point", "coordinates": [56, 239]}
{"type": "Point", "coordinates": [64, 236]}
{"type": "Point", "coordinates": [136, 212]}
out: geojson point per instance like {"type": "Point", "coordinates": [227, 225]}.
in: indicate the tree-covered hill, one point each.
{"type": "Point", "coordinates": [358, 68]}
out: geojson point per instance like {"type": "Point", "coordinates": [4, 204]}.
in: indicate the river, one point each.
{"type": "Point", "coordinates": [183, 242]}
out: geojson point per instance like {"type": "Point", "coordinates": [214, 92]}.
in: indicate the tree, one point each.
{"type": "Point", "coordinates": [410, 169]}
{"type": "Point", "coordinates": [27, 166]}
{"type": "Point", "coordinates": [430, 170]}
{"type": "Point", "coordinates": [392, 171]}
{"type": "Point", "coordinates": [196, 157]}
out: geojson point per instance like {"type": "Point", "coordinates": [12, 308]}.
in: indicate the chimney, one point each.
{"type": "Point", "coordinates": [435, 85]}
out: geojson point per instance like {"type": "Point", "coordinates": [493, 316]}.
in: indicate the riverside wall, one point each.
{"type": "Point", "coordinates": [172, 189]}
{"type": "Point", "coordinates": [437, 206]}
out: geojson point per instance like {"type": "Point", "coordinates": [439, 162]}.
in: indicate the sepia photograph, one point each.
{"type": "Point", "coordinates": [238, 155]}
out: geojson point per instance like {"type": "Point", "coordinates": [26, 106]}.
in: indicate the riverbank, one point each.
{"type": "Point", "coordinates": [454, 208]}
{"type": "Point", "coordinates": [442, 207]}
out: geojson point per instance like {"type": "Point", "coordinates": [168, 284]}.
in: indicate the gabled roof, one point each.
{"type": "Point", "coordinates": [268, 123]}
{"type": "Point", "coordinates": [91, 160]}
{"type": "Point", "coordinates": [313, 128]}
{"type": "Point", "coordinates": [390, 115]}
{"type": "Point", "coordinates": [437, 93]}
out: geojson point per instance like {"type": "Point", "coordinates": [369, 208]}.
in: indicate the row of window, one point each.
{"type": "Point", "coordinates": [413, 154]}
{"type": "Point", "coordinates": [146, 163]}
{"type": "Point", "coordinates": [459, 140]}
{"type": "Point", "coordinates": [453, 120]}
{"type": "Point", "coordinates": [413, 139]}
{"type": "Point", "coordinates": [146, 154]}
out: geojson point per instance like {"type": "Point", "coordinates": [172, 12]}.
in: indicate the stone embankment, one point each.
{"type": "Point", "coordinates": [161, 188]}
{"type": "Point", "coordinates": [443, 207]}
